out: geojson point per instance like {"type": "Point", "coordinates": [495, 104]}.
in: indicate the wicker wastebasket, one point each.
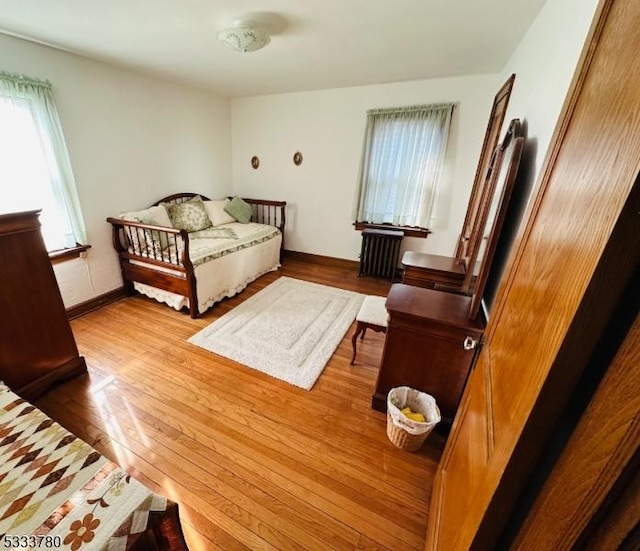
{"type": "Point", "coordinates": [403, 432]}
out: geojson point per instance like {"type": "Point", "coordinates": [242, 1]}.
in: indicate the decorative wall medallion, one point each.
{"type": "Point", "coordinates": [297, 158]}
{"type": "Point", "coordinates": [255, 162]}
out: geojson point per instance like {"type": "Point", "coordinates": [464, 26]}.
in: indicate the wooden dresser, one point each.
{"type": "Point", "coordinates": [433, 271]}
{"type": "Point", "coordinates": [430, 346]}
{"type": "Point", "coordinates": [37, 346]}
{"type": "Point", "coordinates": [433, 336]}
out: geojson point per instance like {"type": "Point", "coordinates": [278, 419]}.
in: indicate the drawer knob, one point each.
{"type": "Point", "coordinates": [469, 343]}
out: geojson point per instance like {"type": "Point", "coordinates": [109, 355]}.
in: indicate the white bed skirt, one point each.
{"type": "Point", "coordinates": [223, 277]}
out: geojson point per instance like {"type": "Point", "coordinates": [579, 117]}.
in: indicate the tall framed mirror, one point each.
{"type": "Point", "coordinates": [491, 137]}
{"type": "Point", "coordinates": [451, 273]}
{"type": "Point", "coordinates": [492, 209]}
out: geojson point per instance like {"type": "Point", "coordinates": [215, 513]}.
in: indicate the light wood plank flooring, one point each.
{"type": "Point", "coordinates": [253, 462]}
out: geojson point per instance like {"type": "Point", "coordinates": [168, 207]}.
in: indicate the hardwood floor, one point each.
{"type": "Point", "coordinates": [253, 462]}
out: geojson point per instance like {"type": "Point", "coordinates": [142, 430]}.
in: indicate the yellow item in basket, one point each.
{"type": "Point", "coordinates": [414, 416]}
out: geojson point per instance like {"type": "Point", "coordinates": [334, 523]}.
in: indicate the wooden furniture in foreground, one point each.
{"type": "Point", "coordinates": [372, 315]}
{"type": "Point", "coordinates": [430, 346]}
{"type": "Point", "coordinates": [537, 457]}
{"type": "Point", "coordinates": [174, 271]}
{"type": "Point", "coordinates": [37, 346]}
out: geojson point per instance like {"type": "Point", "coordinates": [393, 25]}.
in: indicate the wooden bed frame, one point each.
{"type": "Point", "coordinates": [183, 280]}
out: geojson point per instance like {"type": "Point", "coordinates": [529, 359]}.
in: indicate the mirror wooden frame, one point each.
{"type": "Point", "coordinates": [501, 179]}
{"type": "Point", "coordinates": [491, 137]}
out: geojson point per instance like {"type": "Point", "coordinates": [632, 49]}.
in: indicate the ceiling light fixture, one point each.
{"type": "Point", "coordinates": [245, 36]}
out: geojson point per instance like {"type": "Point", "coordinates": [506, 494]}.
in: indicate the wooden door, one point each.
{"type": "Point", "coordinates": [591, 499]}
{"type": "Point", "coordinates": [565, 275]}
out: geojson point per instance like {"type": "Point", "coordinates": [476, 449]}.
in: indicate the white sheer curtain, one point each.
{"type": "Point", "coordinates": [35, 170]}
{"type": "Point", "coordinates": [402, 160]}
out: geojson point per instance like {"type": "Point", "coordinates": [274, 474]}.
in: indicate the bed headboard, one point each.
{"type": "Point", "coordinates": [267, 212]}
{"type": "Point", "coordinates": [179, 198]}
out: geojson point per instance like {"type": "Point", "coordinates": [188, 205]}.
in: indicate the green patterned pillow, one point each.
{"type": "Point", "coordinates": [190, 215]}
{"type": "Point", "coordinates": [240, 210]}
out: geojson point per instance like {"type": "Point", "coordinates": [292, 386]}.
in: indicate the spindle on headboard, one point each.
{"type": "Point", "coordinates": [268, 212]}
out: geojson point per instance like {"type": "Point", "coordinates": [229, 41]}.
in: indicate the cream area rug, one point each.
{"type": "Point", "coordinates": [288, 330]}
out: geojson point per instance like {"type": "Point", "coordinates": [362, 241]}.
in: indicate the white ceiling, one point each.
{"type": "Point", "coordinates": [316, 44]}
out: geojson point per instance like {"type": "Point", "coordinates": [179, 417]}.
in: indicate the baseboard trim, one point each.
{"type": "Point", "coordinates": [323, 260]}
{"type": "Point", "coordinates": [95, 303]}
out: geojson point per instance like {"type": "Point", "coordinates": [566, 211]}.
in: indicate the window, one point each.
{"type": "Point", "coordinates": [35, 170]}
{"type": "Point", "coordinates": [402, 160]}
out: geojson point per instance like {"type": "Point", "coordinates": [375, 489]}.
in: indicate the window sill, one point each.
{"type": "Point", "coordinates": [62, 255]}
{"type": "Point", "coordinates": [409, 231]}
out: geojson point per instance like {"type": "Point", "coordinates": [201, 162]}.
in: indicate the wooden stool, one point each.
{"type": "Point", "coordinates": [372, 315]}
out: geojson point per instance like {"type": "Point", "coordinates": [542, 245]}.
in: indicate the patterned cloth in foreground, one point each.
{"type": "Point", "coordinates": [57, 492]}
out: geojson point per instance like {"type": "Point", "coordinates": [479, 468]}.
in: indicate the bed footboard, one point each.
{"type": "Point", "coordinates": [145, 253]}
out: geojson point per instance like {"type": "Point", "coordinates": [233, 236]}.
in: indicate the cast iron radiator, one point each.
{"type": "Point", "coordinates": [379, 253]}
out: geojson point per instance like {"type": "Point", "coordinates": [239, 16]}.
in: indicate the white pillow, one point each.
{"type": "Point", "coordinates": [217, 214]}
{"type": "Point", "coordinates": [156, 216]}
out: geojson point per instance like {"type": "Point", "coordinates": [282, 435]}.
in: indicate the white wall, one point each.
{"type": "Point", "coordinates": [132, 140]}
{"type": "Point", "coordinates": [328, 128]}
{"type": "Point", "coordinates": [544, 63]}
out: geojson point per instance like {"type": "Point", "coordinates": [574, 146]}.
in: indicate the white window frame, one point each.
{"type": "Point", "coordinates": [401, 167]}
{"type": "Point", "coordinates": [35, 168]}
